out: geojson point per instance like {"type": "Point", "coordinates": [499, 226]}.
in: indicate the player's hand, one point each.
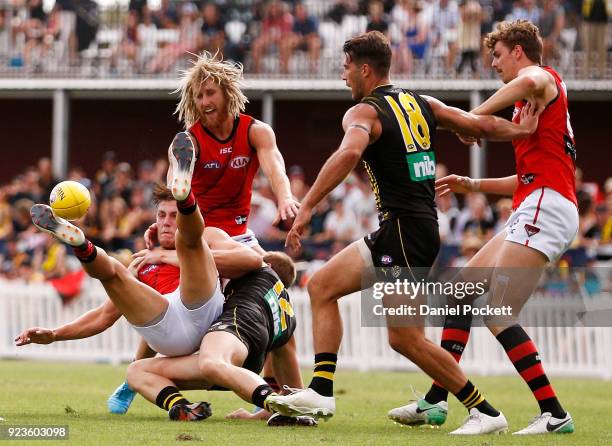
{"type": "Point", "coordinates": [299, 225]}
{"type": "Point", "coordinates": [135, 266]}
{"type": "Point", "coordinates": [530, 116]}
{"type": "Point", "coordinates": [150, 236]}
{"type": "Point", "coordinates": [35, 335]}
{"type": "Point", "coordinates": [243, 414]}
{"type": "Point", "coordinates": [149, 256]}
{"type": "Point", "coordinates": [286, 208]}
{"type": "Point", "coordinates": [468, 140]}
{"type": "Point", "coordinates": [457, 184]}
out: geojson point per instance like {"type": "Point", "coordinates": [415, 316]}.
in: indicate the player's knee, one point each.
{"type": "Point", "coordinates": [134, 376]}
{"type": "Point", "coordinates": [317, 290]}
{"type": "Point", "coordinates": [409, 346]}
{"type": "Point", "coordinates": [211, 368]}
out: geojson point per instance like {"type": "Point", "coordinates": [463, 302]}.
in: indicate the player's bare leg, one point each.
{"type": "Point", "coordinates": [342, 275]}
{"type": "Point", "coordinates": [517, 272]}
{"type": "Point", "coordinates": [137, 302]}
{"type": "Point", "coordinates": [199, 277]}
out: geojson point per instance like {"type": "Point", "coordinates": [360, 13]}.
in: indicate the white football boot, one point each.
{"type": "Point", "coordinates": [45, 220]}
{"type": "Point", "coordinates": [182, 156]}
{"type": "Point", "coordinates": [478, 423]}
{"type": "Point", "coordinates": [303, 402]}
{"type": "Point", "coordinates": [547, 424]}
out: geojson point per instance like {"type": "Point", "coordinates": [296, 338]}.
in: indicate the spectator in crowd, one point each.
{"type": "Point", "coordinates": [504, 210]}
{"type": "Point", "coordinates": [595, 14]}
{"type": "Point", "coordinates": [524, 10]}
{"type": "Point", "coordinates": [341, 9]}
{"type": "Point", "coordinates": [129, 43]}
{"type": "Point", "coordinates": [470, 245]}
{"type": "Point", "coordinates": [297, 182]}
{"type": "Point", "coordinates": [213, 29]}
{"type": "Point", "coordinates": [417, 34]}
{"type": "Point", "coordinates": [469, 35]}
{"type": "Point", "coordinates": [167, 16]}
{"type": "Point", "coordinates": [304, 37]}
{"type": "Point", "coordinates": [376, 18]}
{"type": "Point", "coordinates": [341, 223]}
{"type": "Point", "coordinates": [276, 26]}
{"type": "Point", "coordinates": [445, 22]}
{"type": "Point", "coordinates": [552, 22]}
{"type": "Point", "coordinates": [189, 41]}
{"type": "Point", "coordinates": [147, 39]}
{"type": "Point", "coordinates": [67, 28]}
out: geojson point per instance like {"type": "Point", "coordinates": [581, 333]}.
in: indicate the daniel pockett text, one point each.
{"type": "Point", "coordinates": [416, 291]}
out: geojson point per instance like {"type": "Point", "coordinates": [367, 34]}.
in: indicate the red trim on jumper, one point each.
{"type": "Point", "coordinates": [521, 350]}
{"type": "Point", "coordinates": [527, 242]}
{"type": "Point", "coordinates": [535, 219]}
{"type": "Point", "coordinates": [453, 334]}
{"type": "Point", "coordinates": [457, 356]}
{"type": "Point", "coordinates": [543, 393]}
{"type": "Point", "coordinates": [532, 372]}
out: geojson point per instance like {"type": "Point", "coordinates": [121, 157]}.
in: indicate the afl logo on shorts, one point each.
{"type": "Point", "coordinates": [239, 161]}
{"type": "Point", "coordinates": [386, 260]}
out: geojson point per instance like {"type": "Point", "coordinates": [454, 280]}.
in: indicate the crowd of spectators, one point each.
{"type": "Point", "coordinates": [122, 209]}
{"type": "Point", "coordinates": [439, 38]}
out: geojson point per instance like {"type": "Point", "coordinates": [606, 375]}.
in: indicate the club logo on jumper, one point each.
{"type": "Point", "coordinates": [225, 150]}
{"type": "Point", "coordinates": [528, 178]}
{"type": "Point", "coordinates": [212, 165]}
{"type": "Point", "coordinates": [386, 260]}
{"type": "Point", "coordinates": [570, 147]}
{"type": "Point", "coordinates": [240, 161]}
{"type": "Point", "coordinates": [148, 269]}
{"type": "Point", "coordinates": [240, 219]}
{"type": "Point", "coordinates": [531, 230]}
{"type": "Point", "coordinates": [396, 271]}
{"type": "Point", "coordinates": [422, 166]}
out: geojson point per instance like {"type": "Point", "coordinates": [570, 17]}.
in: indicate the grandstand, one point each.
{"type": "Point", "coordinates": [87, 89]}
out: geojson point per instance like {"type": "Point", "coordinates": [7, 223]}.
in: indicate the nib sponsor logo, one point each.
{"type": "Point", "coordinates": [531, 230]}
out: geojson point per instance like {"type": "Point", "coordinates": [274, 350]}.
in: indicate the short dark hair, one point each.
{"type": "Point", "coordinates": [372, 48]}
{"type": "Point", "coordinates": [518, 32]}
{"type": "Point", "coordinates": [161, 193]}
{"type": "Point", "coordinates": [282, 265]}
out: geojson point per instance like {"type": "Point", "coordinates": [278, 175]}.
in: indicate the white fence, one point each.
{"type": "Point", "coordinates": [569, 351]}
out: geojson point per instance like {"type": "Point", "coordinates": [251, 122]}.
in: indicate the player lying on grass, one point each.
{"type": "Point", "coordinates": [173, 324]}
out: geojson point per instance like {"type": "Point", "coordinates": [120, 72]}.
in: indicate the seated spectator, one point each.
{"type": "Point", "coordinates": [504, 210]}
{"type": "Point", "coordinates": [297, 183]}
{"type": "Point", "coordinates": [552, 22]}
{"type": "Point", "coordinates": [189, 41]}
{"type": "Point", "coordinates": [213, 29]}
{"type": "Point", "coordinates": [167, 16]}
{"type": "Point", "coordinates": [595, 15]}
{"type": "Point", "coordinates": [445, 21]}
{"type": "Point", "coordinates": [277, 25]}
{"type": "Point", "coordinates": [376, 18]}
{"type": "Point", "coordinates": [147, 39]}
{"type": "Point", "coordinates": [470, 245]}
{"type": "Point", "coordinates": [129, 43]}
{"type": "Point", "coordinates": [304, 37]}
{"type": "Point", "coordinates": [524, 10]}
{"type": "Point", "coordinates": [342, 224]}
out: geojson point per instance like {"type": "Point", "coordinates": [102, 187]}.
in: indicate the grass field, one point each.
{"type": "Point", "coordinates": [40, 393]}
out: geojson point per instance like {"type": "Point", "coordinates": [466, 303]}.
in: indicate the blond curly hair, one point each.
{"type": "Point", "coordinates": [227, 75]}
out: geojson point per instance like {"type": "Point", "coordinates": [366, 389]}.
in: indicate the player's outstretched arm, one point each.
{"type": "Point", "coordinates": [357, 123]}
{"type": "Point", "coordinates": [465, 185]}
{"type": "Point", "coordinates": [530, 84]}
{"type": "Point", "coordinates": [490, 127]}
{"type": "Point", "coordinates": [273, 165]}
{"type": "Point", "coordinates": [89, 324]}
{"type": "Point", "coordinates": [232, 258]}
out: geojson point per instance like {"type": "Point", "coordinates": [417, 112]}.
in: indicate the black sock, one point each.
{"type": "Point", "coordinates": [526, 360]}
{"type": "Point", "coordinates": [455, 336]}
{"type": "Point", "coordinates": [260, 394]}
{"type": "Point", "coordinates": [323, 377]}
{"type": "Point", "coordinates": [271, 381]}
{"type": "Point", "coordinates": [188, 205]}
{"type": "Point", "coordinates": [471, 398]}
{"type": "Point", "coordinates": [170, 397]}
{"type": "Point", "coordinates": [86, 253]}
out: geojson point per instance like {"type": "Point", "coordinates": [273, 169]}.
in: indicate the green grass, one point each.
{"type": "Point", "coordinates": [39, 392]}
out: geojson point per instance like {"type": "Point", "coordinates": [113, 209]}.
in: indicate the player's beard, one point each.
{"type": "Point", "coordinates": [214, 119]}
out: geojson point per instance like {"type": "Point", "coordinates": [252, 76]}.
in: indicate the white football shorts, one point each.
{"type": "Point", "coordinates": [248, 239]}
{"type": "Point", "coordinates": [545, 221]}
{"type": "Point", "coordinates": [181, 330]}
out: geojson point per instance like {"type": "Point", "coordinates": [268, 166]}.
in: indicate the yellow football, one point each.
{"type": "Point", "coordinates": [70, 200]}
